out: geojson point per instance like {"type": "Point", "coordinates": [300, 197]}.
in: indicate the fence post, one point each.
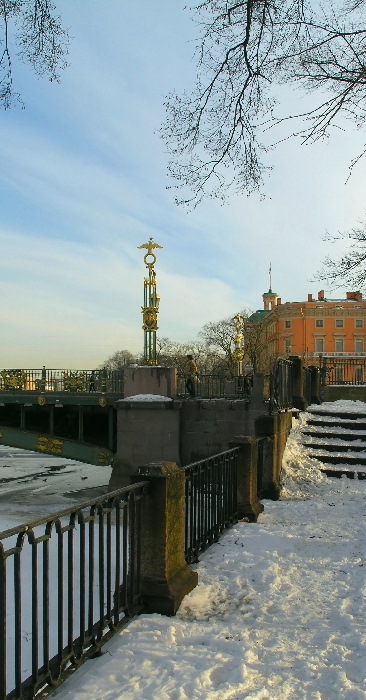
{"type": "Point", "coordinates": [315, 384]}
{"type": "Point", "coordinates": [248, 503]}
{"type": "Point", "coordinates": [298, 398]}
{"type": "Point", "coordinates": [43, 379]}
{"type": "Point", "coordinates": [165, 576]}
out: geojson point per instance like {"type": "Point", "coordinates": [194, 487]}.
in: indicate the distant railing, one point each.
{"type": "Point", "coordinates": [209, 386]}
{"type": "Point", "coordinates": [62, 380]}
{"type": "Point", "coordinates": [66, 583]}
{"type": "Point", "coordinates": [319, 356]}
{"type": "Point", "coordinates": [211, 501]}
{"type": "Point", "coordinates": [281, 386]}
{"type": "Point", "coordinates": [343, 370]}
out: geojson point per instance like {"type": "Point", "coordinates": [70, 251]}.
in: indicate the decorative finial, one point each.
{"type": "Point", "coordinates": [150, 245]}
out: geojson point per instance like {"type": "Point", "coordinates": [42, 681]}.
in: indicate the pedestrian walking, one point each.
{"type": "Point", "coordinates": [192, 379]}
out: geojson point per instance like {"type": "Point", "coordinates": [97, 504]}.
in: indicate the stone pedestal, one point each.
{"type": "Point", "coordinates": [147, 431]}
{"type": "Point", "coordinates": [165, 576]}
{"type": "Point", "coordinates": [150, 380]}
{"type": "Point", "coordinates": [276, 429]}
{"type": "Point", "coordinates": [315, 385]}
{"type": "Point", "coordinates": [249, 505]}
{"type": "Point", "coordinates": [298, 398]}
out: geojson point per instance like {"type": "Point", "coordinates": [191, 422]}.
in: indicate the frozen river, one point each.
{"type": "Point", "coordinates": [32, 484]}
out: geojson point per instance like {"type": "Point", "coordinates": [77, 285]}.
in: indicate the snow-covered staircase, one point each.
{"type": "Point", "coordinates": [335, 435]}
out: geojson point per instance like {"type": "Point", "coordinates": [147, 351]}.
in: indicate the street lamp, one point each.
{"type": "Point", "coordinates": [150, 309]}
{"type": "Point", "coordinates": [238, 342]}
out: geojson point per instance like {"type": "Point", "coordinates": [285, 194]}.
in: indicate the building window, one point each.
{"type": "Point", "coordinates": [359, 323]}
{"type": "Point", "coordinates": [339, 323]}
{"type": "Point", "coordinates": [358, 344]}
{"type": "Point", "coordinates": [338, 345]}
{"type": "Point", "coordinates": [319, 345]}
{"type": "Point", "coordinates": [287, 324]}
{"type": "Point", "coordinates": [287, 346]}
{"type": "Point", "coordinates": [319, 323]}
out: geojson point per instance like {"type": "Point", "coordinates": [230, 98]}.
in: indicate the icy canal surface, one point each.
{"type": "Point", "coordinates": [279, 612]}
{"type": "Point", "coordinates": [32, 484]}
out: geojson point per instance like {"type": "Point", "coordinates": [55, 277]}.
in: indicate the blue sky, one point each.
{"type": "Point", "coordinates": [83, 183]}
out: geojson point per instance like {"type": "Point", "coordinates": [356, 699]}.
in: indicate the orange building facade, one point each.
{"type": "Point", "coordinates": [312, 328]}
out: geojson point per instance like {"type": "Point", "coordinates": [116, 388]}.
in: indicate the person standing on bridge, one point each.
{"type": "Point", "coordinates": [192, 379]}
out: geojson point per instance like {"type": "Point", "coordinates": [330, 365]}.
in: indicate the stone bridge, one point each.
{"type": "Point", "coordinates": [61, 412]}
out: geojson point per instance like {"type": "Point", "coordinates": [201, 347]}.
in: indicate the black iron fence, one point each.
{"type": "Point", "coordinates": [207, 386]}
{"type": "Point", "coordinates": [70, 580]}
{"type": "Point", "coordinates": [211, 500]}
{"type": "Point", "coordinates": [281, 386]}
{"type": "Point", "coordinates": [62, 380]}
{"type": "Point", "coordinates": [343, 370]}
{"type": "Point", "coordinates": [66, 583]}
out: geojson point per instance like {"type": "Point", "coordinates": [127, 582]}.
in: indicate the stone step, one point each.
{"type": "Point", "coordinates": [339, 436]}
{"type": "Point", "coordinates": [338, 473]}
{"type": "Point", "coordinates": [337, 414]}
{"type": "Point", "coordinates": [335, 448]}
{"type": "Point", "coordinates": [340, 459]}
{"type": "Point", "coordinates": [351, 424]}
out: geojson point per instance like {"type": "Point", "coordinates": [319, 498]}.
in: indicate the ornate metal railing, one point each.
{"type": "Point", "coordinates": [319, 356]}
{"type": "Point", "coordinates": [62, 380]}
{"type": "Point", "coordinates": [281, 386]}
{"type": "Point", "coordinates": [343, 370]}
{"type": "Point", "coordinates": [66, 583]}
{"type": "Point", "coordinates": [209, 386]}
{"type": "Point", "coordinates": [211, 501]}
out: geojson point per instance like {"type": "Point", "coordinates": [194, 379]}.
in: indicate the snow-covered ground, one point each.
{"type": "Point", "coordinates": [279, 612]}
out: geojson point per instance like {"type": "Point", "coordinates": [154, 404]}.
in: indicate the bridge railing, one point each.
{"type": "Point", "coordinates": [66, 583]}
{"type": "Point", "coordinates": [207, 386]}
{"type": "Point", "coordinates": [62, 380]}
{"type": "Point", "coordinates": [211, 500]}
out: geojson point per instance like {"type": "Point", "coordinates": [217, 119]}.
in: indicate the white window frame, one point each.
{"type": "Point", "coordinates": [360, 342]}
{"type": "Point", "coordinates": [337, 341]}
{"type": "Point", "coordinates": [319, 339]}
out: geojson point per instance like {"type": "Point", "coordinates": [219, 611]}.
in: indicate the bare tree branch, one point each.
{"type": "Point", "coordinates": [350, 268]}
{"type": "Point", "coordinates": [39, 37]}
{"type": "Point", "coordinates": [217, 135]}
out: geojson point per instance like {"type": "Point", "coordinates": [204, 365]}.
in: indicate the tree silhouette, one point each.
{"type": "Point", "coordinates": [218, 136]}
{"type": "Point", "coordinates": [34, 31]}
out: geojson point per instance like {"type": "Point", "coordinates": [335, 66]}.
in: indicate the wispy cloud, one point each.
{"type": "Point", "coordinates": [83, 183]}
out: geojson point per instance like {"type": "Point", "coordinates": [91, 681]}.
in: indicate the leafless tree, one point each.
{"type": "Point", "coordinates": [255, 344]}
{"type": "Point", "coordinates": [32, 30]}
{"type": "Point", "coordinates": [219, 336]}
{"type": "Point", "coordinates": [119, 360]}
{"type": "Point", "coordinates": [219, 135]}
{"type": "Point", "coordinates": [350, 268]}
